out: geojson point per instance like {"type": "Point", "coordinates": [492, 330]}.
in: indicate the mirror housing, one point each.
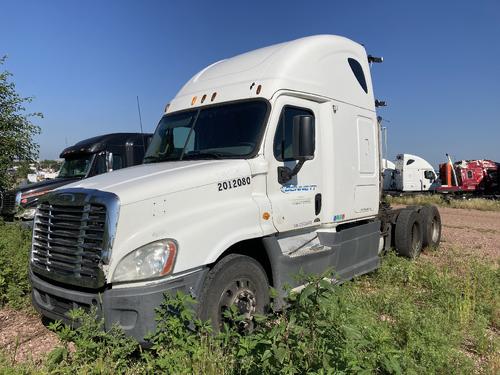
{"type": "Point", "coordinates": [303, 138]}
{"type": "Point", "coordinates": [303, 145]}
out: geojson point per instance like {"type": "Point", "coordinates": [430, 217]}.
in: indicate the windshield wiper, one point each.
{"type": "Point", "coordinates": [158, 159]}
{"type": "Point", "coordinates": [205, 154]}
{"type": "Point", "coordinates": [151, 158]}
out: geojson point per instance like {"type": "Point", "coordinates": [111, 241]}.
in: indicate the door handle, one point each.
{"type": "Point", "coordinates": [317, 204]}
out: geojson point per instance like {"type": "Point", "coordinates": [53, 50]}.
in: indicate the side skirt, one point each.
{"type": "Point", "coordinates": [349, 252]}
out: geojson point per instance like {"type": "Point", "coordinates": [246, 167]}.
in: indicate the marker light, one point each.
{"type": "Point", "coordinates": [203, 98]}
{"type": "Point", "coordinates": [213, 96]}
{"type": "Point", "coordinates": [258, 89]}
{"type": "Point", "coordinates": [193, 100]}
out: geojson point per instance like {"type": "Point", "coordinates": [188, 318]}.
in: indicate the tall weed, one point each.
{"type": "Point", "coordinates": [15, 244]}
{"type": "Point", "coordinates": [405, 318]}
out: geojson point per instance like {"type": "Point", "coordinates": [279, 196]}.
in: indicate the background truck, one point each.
{"type": "Point", "coordinates": [85, 159]}
{"type": "Point", "coordinates": [410, 173]}
{"type": "Point", "coordinates": [474, 177]}
{"type": "Point", "coordinates": [388, 171]}
{"type": "Point", "coordinates": [264, 164]}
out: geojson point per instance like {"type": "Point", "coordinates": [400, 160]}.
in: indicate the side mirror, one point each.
{"type": "Point", "coordinates": [303, 138]}
{"type": "Point", "coordinates": [109, 161]}
{"type": "Point", "coordinates": [303, 146]}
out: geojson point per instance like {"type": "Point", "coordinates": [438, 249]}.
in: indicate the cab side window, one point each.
{"type": "Point", "coordinates": [284, 132]}
{"type": "Point", "coordinates": [100, 164]}
{"type": "Point", "coordinates": [117, 162]}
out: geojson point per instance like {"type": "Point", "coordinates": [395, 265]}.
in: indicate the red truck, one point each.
{"type": "Point", "coordinates": [479, 177]}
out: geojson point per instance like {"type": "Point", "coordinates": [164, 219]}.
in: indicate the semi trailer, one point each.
{"type": "Point", "coordinates": [263, 165]}
{"type": "Point", "coordinates": [86, 158]}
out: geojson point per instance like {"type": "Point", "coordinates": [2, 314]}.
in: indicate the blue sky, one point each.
{"type": "Point", "coordinates": [86, 61]}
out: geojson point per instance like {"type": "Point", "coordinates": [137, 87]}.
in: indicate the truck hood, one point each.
{"type": "Point", "coordinates": [46, 185]}
{"type": "Point", "coordinates": [156, 179]}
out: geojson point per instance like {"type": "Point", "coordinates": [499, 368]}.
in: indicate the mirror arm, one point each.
{"type": "Point", "coordinates": [285, 174]}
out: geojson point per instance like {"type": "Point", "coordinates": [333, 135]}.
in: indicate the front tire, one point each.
{"type": "Point", "coordinates": [236, 280]}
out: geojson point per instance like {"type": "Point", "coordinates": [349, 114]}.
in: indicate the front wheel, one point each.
{"type": "Point", "coordinates": [239, 281]}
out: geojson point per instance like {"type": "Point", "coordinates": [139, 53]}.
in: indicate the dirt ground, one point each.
{"type": "Point", "coordinates": [471, 232]}
{"type": "Point", "coordinates": [24, 337]}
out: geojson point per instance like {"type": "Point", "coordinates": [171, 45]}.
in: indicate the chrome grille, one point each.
{"type": "Point", "coordinates": [68, 242]}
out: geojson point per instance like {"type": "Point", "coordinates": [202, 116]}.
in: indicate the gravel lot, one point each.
{"type": "Point", "coordinates": [472, 233]}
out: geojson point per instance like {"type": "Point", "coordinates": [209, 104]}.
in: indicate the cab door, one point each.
{"type": "Point", "coordinates": [296, 203]}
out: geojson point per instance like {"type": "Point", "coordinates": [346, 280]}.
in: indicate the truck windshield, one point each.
{"type": "Point", "coordinates": [225, 131]}
{"type": "Point", "coordinates": [76, 167]}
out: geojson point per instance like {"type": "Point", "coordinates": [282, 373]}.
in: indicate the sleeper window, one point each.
{"type": "Point", "coordinates": [117, 162]}
{"type": "Point", "coordinates": [358, 73]}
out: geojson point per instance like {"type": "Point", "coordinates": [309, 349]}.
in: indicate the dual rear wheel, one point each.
{"type": "Point", "coordinates": [416, 229]}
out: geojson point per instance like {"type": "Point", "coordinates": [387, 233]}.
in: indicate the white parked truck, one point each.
{"type": "Point", "coordinates": [263, 165]}
{"type": "Point", "coordinates": [388, 172]}
{"type": "Point", "coordinates": [411, 173]}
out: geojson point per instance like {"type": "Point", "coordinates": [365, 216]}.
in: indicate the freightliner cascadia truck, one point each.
{"type": "Point", "coordinates": [409, 174]}
{"type": "Point", "coordinates": [263, 165]}
{"type": "Point", "coordinates": [87, 158]}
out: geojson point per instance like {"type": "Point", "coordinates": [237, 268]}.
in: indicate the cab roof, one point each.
{"type": "Point", "coordinates": [102, 142]}
{"type": "Point", "coordinates": [317, 65]}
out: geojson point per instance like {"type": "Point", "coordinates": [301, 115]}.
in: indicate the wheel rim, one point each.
{"type": "Point", "coordinates": [416, 241]}
{"type": "Point", "coordinates": [435, 231]}
{"type": "Point", "coordinates": [241, 294]}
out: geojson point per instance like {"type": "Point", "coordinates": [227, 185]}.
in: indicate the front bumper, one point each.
{"type": "Point", "coordinates": [133, 309]}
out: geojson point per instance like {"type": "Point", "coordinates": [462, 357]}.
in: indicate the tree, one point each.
{"type": "Point", "coordinates": [54, 164]}
{"type": "Point", "coordinates": [16, 129]}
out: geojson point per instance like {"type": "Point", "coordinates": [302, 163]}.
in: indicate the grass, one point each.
{"type": "Point", "coordinates": [405, 318]}
{"type": "Point", "coordinates": [15, 243]}
{"type": "Point", "coordinates": [471, 203]}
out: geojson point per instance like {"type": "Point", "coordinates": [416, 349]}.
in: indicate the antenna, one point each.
{"type": "Point", "coordinates": [140, 123]}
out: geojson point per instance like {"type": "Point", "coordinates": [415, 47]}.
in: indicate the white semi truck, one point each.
{"type": "Point", "coordinates": [263, 165]}
{"type": "Point", "coordinates": [410, 174]}
{"type": "Point", "coordinates": [388, 172]}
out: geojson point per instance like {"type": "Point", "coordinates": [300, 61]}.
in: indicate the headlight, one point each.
{"type": "Point", "coordinates": [27, 214]}
{"type": "Point", "coordinates": [149, 261]}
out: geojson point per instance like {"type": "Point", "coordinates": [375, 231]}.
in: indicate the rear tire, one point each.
{"type": "Point", "coordinates": [408, 233]}
{"type": "Point", "coordinates": [431, 224]}
{"type": "Point", "coordinates": [236, 280]}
